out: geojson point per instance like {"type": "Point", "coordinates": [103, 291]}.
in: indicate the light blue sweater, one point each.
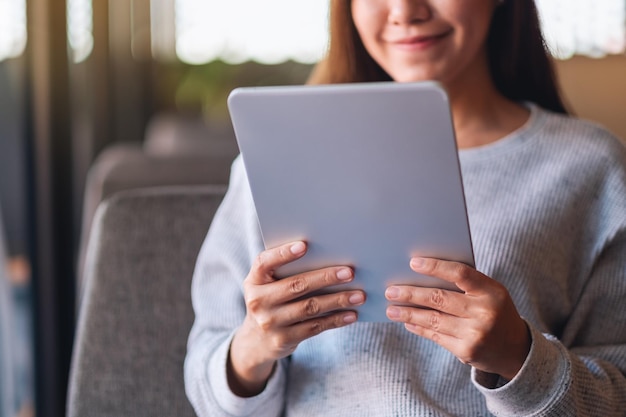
{"type": "Point", "coordinates": [547, 211]}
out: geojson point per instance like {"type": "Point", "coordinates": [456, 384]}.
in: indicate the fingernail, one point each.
{"type": "Point", "coordinates": [356, 298]}
{"type": "Point", "coordinates": [393, 312]}
{"type": "Point", "coordinates": [392, 292]}
{"type": "Point", "coordinates": [417, 263]}
{"type": "Point", "coordinates": [344, 274]}
{"type": "Point", "coordinates": [297, 248]}
{"type": "Point", "coordinates": [349, 318]}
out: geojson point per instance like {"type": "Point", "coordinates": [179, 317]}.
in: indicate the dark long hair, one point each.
{"type": "Point", "coordinates": [520, 65]}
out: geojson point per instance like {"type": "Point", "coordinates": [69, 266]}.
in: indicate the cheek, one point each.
{"type": "Point", "coordinates": [474, 24]}
{"type": "Point", "coordinates": [367, 20]}
{"type": "Point", "coordinates": [370, 37]}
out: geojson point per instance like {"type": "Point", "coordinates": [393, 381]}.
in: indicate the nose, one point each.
{"type": "Point", "coordinates": [408, 11]}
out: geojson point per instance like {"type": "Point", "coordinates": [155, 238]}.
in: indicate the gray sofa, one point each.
{"type": "Point", "coordinates": [136, 310]}
{"type": "Point", "coordinates": [129, 166]}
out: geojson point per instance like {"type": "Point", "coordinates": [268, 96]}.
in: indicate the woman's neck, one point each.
{"type": "Point", "coordinates": [481, 114]}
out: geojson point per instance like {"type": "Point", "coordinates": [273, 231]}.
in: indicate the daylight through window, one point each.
{"type": "Point", "coordinates": [12, 28]}
{"type": "Point", "coordinates": [80, 28]}
{"type": "Point", "coordinates": [273, 31]}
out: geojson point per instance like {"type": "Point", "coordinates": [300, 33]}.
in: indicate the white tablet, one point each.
{"type": "Point", "coordinates": [367, 174]}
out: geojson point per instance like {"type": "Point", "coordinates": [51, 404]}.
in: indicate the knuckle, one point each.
{"type": "Point", "coordinates": [500, 295]}
{"type": "Point", "coordinates": [407, 315]}
{"type": "Point", "coordinates": [436, 267]}
{"type": "Point", "coordinates": [437, 298]}
{"type": "Point", "coordinates": [331, 322]}
{"type": "Point", "coordinates": [311, 307]}
{"type": "Point", "coordinates": [343, 301]}
{"type": "Point", "coordinates": [461, 273]}
{"type": "Point", "coordinates": [328, 277]}
{"type": "Point", "coordinates": [298, 285]}
{"type": "Point", "coordinates": [265, 321]}
{"type": "Point", "coordinates": [407, 294]}
{"type": "Point", "coordinates": [435, 320]}
{"type": "Point", "coordinates": [430, 266]}
{"type": "Point", "coordinates": [254, 304]}
{"type": "Point", "coordinates": [261, 261]}
{"type": "Point", "coordinates": [316, 327]}
{"type": "Point", "coordinates": [278, 342]}
{"type": "Point", "coordinates": [283, 253]}
{"type": "Point", "coordinates": [336, 322]}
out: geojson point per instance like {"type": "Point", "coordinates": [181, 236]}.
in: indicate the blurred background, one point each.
{"type": "Point", "coordinates": [102, 95]}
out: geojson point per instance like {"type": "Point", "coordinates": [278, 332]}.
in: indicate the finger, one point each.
{"type": "Point", "coordinates": [309, 328]}
{"type": "Point", "coordinates": [465, 277]}
{"type": "Point", "coordinates": [299, 285]}
{"type": "Point", "coordinates": [446, 341]}
{"type": "Point", "coordinates": [321, 305]}
{"type": "Point", "coordinates": [269, 260]}
{"type": "Point", "coordinates": [449, 302]}
{"type": "Point", "coordinates": [427, 319]}
{"type": "Point", "coordinates": [457, 346]}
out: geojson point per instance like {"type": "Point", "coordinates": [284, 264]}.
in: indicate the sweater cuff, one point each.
{"type": "Point", "coordinates": [541, 381]}
{"type": "Point", "coordinates": [270, 400]}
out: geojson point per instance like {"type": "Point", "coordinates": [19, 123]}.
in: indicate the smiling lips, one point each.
{"type": "Point", "coordinates": [417, 43]}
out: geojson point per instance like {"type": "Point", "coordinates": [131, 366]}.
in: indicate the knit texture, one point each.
{"type": "Point", "coordinates": [547, 212]}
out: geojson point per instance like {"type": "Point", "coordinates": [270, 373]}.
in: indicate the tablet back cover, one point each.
{"type": "Point", "coordinates": [367, 174]}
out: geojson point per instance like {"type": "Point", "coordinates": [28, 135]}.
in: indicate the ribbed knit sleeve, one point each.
{"type": "Point", "coordinates": [231, 245]}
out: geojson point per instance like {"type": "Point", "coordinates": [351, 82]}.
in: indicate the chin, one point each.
{"type": "Point", "coordinates": [413, 76]}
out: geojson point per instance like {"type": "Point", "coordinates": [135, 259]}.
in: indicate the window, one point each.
{"type": "Point", "coordinates": [268, 31]}
{"type": "Point", "coordinates": [12, 28]}
{"type": "Point", "coordinates": [592, 28]}
{"type": "Point", "coordinates": [273, 31]}
{"type": "Point", "coordinates": [80, 29]}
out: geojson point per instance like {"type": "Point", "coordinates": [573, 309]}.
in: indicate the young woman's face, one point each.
{"type": "Point", "coordinates": [415, 40]}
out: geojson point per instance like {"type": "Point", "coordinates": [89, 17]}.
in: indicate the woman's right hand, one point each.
{"type": "Point", "coordinates": [280, 315]}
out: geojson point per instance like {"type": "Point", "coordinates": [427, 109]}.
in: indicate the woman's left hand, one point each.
{"type": "Point", "coordinates": [480, 325]}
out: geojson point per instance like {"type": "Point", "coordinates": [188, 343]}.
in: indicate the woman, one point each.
{"type": "Point", "coordinates": [540, 330]}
